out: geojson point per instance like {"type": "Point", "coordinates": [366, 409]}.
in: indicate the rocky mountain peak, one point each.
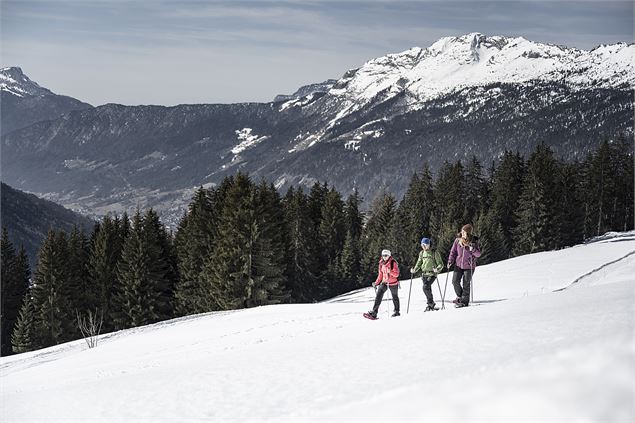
{"type": "Point", "coordinates": [13, 80]}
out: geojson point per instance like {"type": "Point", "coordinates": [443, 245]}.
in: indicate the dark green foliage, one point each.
{"type": "Point", "coordinates": [247, 266]}
{"type": "Point", "coordinates": [450, 198]}
{"type": "Point", "coordinates": [538, 215]}
{"type": "Point", "coordinates": [79, 284]}
{"type": "Point", "coordinates": [106, 249]}
{"type": "Point", "coordinates": [608, 188]}
{"type": "Point", "coordinates": [194, 243]}
{"type": "Point", "coordinates": [301, 266]}
{"type": "Point", "coordinates": [476, 190]}
{"type": "Point", "coordinates": [505, 188]}
{"type": "Point", "coordinates": [140, 293]}
{"type": "Point", "coordinates": [23, 338]}
{"type": "Point", "coordinates": [491, 239]}
{"type": "Point", "coordinates": [14, 283]}
{"type": "Point", "coordinates": [412, 219]}
{"type": "Point", "coordinates": [378, 235]}
{"type": "Point", "coordinates": [53, 322]}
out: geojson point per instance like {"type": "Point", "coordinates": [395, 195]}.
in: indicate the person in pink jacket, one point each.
{"type": "Point", "coordinates": [388, 272]}
{"type": "Point", "coordinates": [465, 250]}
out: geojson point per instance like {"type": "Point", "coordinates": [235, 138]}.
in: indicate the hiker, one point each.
{"type": "Point", "coordinates": [465, 250]}
{"type": "Point", "coordinates": [386, 279]}
{"type": "Point", "coordinates": [429, 263]}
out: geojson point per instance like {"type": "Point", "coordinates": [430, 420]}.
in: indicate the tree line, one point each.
{"type": "Point", "coordinates": [242, 244]}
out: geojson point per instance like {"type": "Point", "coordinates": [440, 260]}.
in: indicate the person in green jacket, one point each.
{"type": "Point", "coordinates": [429, 263]}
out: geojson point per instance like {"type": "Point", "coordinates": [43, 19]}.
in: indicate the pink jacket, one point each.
{"type": "Point", "coordinates": [388, 272]}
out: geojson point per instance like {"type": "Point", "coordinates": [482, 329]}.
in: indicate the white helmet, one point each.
{"type": "Point", "coordinates": [385, 253]}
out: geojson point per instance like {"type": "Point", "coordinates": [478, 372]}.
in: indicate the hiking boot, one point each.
{"type": "Point", "coordinates": [456, 300]}
{"type": "Point", "coordinates": [395, 314]}
{"type": "Point", "coordinates": [431, 308]}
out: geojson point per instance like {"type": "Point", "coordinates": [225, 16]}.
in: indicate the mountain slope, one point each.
{"type": "Point", "coordinates": [28, 219]}
{"type": "Point", "coordinates": [463, 96]}
{"type": "Point", "coordinates": [23, 102]}
{"type": "Point", "coordinates": [520, 350]}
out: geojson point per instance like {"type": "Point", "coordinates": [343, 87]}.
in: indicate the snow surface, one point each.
{"type": "Point", "coordinates": [247, 140]}
{"type": "Point", "coordinates": [521, 352]}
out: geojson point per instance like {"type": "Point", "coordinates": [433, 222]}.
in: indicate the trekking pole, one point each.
{"type": "Point", "coordinates": [439, 285]}
{"type": "Point", "coordinates": [471, 280]}
{"type": "Point", "coordinates": [409, 291]}
{"type": "Point", "coordinates": [447, 275]}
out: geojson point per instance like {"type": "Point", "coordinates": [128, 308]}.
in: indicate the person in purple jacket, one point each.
{"type": "Point", "coordinates": [465, 250]}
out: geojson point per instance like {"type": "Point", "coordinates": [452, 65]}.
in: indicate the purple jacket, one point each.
{"type": "Point", "coordinates": [464, 258]}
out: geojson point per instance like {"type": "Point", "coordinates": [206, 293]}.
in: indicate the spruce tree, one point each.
{"type": "Point", "coordinates": [505, 190]}
{"type": "Point", "coordinates": [226, 272]}
{"type": "Point", "coordinates": [301, 267]}
{"type": "Point", "coordinates": [165, 263]}
{"type": "Point", "coordinates": [24, 338]}
{"type": "Point", "coordinates": [332, 232]}
{"type": "Point", "coordinates": [193, 243]}
{"type": "Point", "coordinates": [102, 270]}
{"type": "Point", "coordinates": [475, 190]}
{"type": "Point", "coordinates": [14, 283]}
{"type": "Point", "coordinates": [413, 218]}
{"type": "Point", "coordinates": [491, 238]}
{"type": "Point", "coordinates": [537, 213]}
{"type": "Point", "coordinates": [139, 296]}
{"type": "Point", "coordinates": [377, 235]}
{"type": "Point", "coordinates": [53, 320]}
{"type": "Point", "coordinates": [78, 280]}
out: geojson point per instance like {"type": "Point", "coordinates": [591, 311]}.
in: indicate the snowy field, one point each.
{"type": "Point", "coordinates": [550, 337]}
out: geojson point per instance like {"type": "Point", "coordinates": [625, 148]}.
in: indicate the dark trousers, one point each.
{"type": "Point", "coordinates": [463, 293]}
{"type": "Point", "coordinates": [381, 290]}
{"type": "Point", "coordinates": [427, 288]}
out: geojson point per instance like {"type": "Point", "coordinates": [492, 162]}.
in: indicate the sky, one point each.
{"type": "Point", "coordinates": [171, 52]}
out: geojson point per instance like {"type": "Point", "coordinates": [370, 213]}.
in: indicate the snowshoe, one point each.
{"type": "Point", "coordinates": [460, 305]}
{"type": "Point", "coordinates": [395, 314]}
{"type": "Point", "coordinates": [431, 308]}
{"type": "Point", "coordinates": [456, 300]}
{"type": "Point", "coordinates": [370, 315]}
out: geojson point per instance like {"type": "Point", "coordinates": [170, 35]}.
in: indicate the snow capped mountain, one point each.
{"type": "Point", "coordinates": [460, 97]}
{"type": "Point", "coordinates": [14, 81]}
{"type": "Point", "coordinates": [455, 63]}
{"type": "Point", "coordinates": [548, 337]}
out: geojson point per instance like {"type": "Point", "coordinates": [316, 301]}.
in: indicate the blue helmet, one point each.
{"type": "Point", "coordinates": [425, 241]}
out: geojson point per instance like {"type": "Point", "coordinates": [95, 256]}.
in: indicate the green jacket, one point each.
{"type": "Point", "coordinates": [429, 261]}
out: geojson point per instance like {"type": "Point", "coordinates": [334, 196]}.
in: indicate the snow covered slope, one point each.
{"type": "Point", "coordinates": [522, 351]}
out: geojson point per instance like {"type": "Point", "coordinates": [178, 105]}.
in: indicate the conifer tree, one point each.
{"type": "Point", "coordinates": [413, 218]}
{"type": "Point", "coordinates": [302, 279]}
{"type": "Point", "coordinates": [491, 238]}
{"type": "Point", "coordinates": [226, 271]}
{"type": "Point", "coordinates": [14, 282]}
{"type": "Point", "coordinates": [139, 296]}
{"type": "Point", "coordinates": [23, 338]}
{"type": "Point", "coordinates": [78, 280]}
{"type": "Point", "coordinates": [166, 261]}
{"type": "Point", "coordinates": [332, 232]}
{"type": "Point", "coordinates": [377, 235]}
{"type": "Point", "coordinates": [449, 193]}
{"type": "Point", "coordinates": [102, 270]}
{"type": "Point", "coordinates": [537, 213]}
{"type": "Point", "coordinates": [53, 320]}
{"type": "Point", "coordinates": [194, 243]}
{"type": "Point", "coordinates": [349, 262]}
{"type": "Point", "coordinates": [506, 186]}
{"type": "Point", "coordinates": [475, 190]}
